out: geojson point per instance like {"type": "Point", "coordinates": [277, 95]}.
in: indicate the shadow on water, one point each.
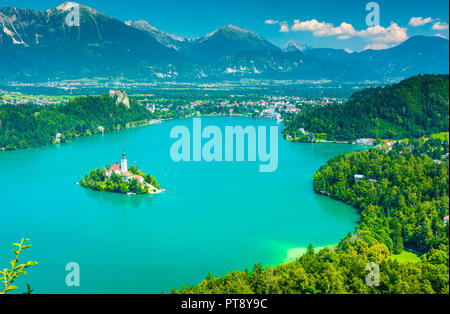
{"type": "Point", "coordinates": [122, 200]}
{"type": "Point", "coordinates": [338, 209]}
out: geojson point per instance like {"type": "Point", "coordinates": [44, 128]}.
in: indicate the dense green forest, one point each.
{"type": "Point", "coordinates": [402, 199]}
{"type": "Point", "coordinates": [403, 196]}
{"type": "Point", "coordinates": [98, 180]}
{"type": "Point", "coordinates": [413, 108]}
{"type": "Point", "coordinates": [27, 126]}
{"type": "Point", "coordinates": [339, 271]}
{"type": "Point", "coordinates": [30, 125]}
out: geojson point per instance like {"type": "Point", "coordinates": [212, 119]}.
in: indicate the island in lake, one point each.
{"type": "Point", "coordinates": [119, 178]}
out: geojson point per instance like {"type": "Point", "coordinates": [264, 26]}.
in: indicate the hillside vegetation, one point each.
{"type": "Point", "coordinates": [413, 108]}
{"type": "Point", "coordinates": [28, 126]}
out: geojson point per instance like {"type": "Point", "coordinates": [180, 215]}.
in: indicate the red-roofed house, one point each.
{"type": "Point", "coordinates": [115, 167]}
{"type": "Point", "coordinates": [122, 169]}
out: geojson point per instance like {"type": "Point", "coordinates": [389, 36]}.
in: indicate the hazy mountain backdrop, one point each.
{"type": "Point", "coordinates": [39, 45]}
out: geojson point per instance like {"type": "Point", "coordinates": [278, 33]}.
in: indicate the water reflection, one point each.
{"type": "Point", "coordinates": [337, 208]}
{"type": "Point", "coordinates": [123, 200]}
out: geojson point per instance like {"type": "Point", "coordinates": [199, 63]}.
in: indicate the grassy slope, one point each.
{"type": "Point", "coordinates": [405, 257]}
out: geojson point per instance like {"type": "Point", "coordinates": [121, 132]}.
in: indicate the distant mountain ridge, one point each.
{"type": "Point", "coordinates": [38, 45]}
{"type": "Point", "coordinates": [212, 46]}
{"type": "Point", "coordinates": [417, 55]}
{"type": "Point", "coordinates": [226, 40]}
{"type": "Point", "coordinates": [168, 40]}
{"type": "Point", "coordinates": [293, 45]}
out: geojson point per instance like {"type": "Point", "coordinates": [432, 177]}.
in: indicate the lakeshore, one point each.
{"type": "Point", "coordinates": [138, 124]}
{"type": "Point", "coordinates": [295, 253]}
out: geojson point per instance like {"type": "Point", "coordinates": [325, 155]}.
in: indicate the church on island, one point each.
{"type": "Point", "coordinates": [119, 178]}
{"type": "Point", "coordinates": [122, 169]}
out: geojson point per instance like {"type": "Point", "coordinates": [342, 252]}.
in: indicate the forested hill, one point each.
{"type": "Point", "coordinates": [27, 126]}
{"type": "Point", "coordinates": [415, 107]}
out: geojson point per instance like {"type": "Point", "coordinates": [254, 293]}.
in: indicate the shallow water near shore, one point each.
{"type": "Point", "coordinates": [214, 217]}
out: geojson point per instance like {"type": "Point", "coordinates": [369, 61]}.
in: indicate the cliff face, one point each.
{"type": "Point", "coordinates": [121, 97]}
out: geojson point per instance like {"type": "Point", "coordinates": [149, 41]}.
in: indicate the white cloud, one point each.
{"type": "Point", "coordinates": [376, 46]}
{"type": "Point", "coordinates": [377, 37]}
{"type": "Point", "coordinates": [441, 35]}
{"type": "Point", "coordinates": [440, 26]}
{"type": "Point", "coordinates": [420, 21]}
{"type": "Point", "coordinates": [372, 31]}
{"type": "Point", "coordinates": [344, 30]}
{"type": "Point", "coordinates": [284, 27]}
{"type": "Point", "coordinates": [348, 50]}
{"type": "Point", "coordinates": [312, 25]}
{"type": "Point", "coordinates": [392, 34]}
{"type": "Point", "coordinates": [270, 22]}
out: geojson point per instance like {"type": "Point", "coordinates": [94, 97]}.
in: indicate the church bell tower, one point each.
{"type": "Point", "coordinates": [123, 163]}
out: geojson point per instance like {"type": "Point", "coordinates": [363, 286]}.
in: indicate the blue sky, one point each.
{"type": "Point", "coordinates": [318, 23]}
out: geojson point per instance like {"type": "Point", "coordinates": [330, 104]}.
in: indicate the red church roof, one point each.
{"type": "Point", "coordinates": [115, 167]}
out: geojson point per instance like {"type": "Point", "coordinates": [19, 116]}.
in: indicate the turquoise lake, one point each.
{"type": "Point", "coordinates": [214, 217]}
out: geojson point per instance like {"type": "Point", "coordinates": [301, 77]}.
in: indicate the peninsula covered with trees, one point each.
{"type": "Point", "coordinates": [402, 194]}
{"type": "Point", "coordinates": [119, 178]}
{"type": "Point", "coordinates": [31, 125]}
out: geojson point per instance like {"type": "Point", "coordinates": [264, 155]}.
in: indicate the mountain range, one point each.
{"type": "Point", "coordinates": [293, 45]}
{"type": "Point", "coordinates": [39, 45]}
